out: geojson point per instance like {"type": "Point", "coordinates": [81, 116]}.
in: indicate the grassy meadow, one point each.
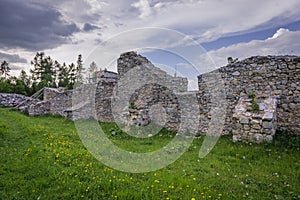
{"type": "Point", "coordinates": [44, 158]}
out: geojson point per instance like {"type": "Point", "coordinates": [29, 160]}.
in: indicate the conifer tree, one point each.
{"type": "Point", "coordinates": [80, 70]}
{"type": "Point", "coordinates": [44, 72]}
{"type": "Point", "coordinates": [4, 69]}
{"type": "Point", "coordinates": [63, 75]}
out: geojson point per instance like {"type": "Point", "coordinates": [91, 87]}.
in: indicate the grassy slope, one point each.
{"type": "Point", "coordinates": [44, 157]}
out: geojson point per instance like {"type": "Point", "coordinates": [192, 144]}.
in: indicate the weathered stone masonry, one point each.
{"type": "Point", "coordinates": [148, 72]}
{"type": "Point", "coordinates": [144, 86]}
{"type": "Point", "coordinates": [15, 100]}
{"type": "Point", "coordinates": [273, 80]}
{"type": "Point", "coordinates": [266, 77]}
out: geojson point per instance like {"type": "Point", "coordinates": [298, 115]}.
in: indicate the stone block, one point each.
{"type": "Point", "coordinates": [246, 127]}
{"type": "Point", "coordinates": [254, 121]}
{"type": "Point", "coordinates": [253, 131]}
{"type": "Point", "coordinates": [292, 106]}
{"type": "Point", "coordinates": [235, 138]}
{"type": "Point", "coordinates": [293, 85]}
{"type": "Point", "coordinates": [268, 116]}
{"type": "Point", "coordinates": [244, 120]}
{"type": "Point", "coordinates": [258, 138]}
{"type": "Point", "coordinates": [267, 131]}
{"type": "Point", "coordinates": [269, 138]}
{"type": "Point", "coordinates": [262, 106]}
{"type": "Point", "coordinates": [236, 73]}
{"type": "Point", "coordinates": [256, 126]}
{"type": "Point", "coordinates": [267, 125]}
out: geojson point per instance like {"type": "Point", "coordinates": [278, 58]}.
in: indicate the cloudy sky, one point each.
{"type": "Point", "coordinates": [63, 29]}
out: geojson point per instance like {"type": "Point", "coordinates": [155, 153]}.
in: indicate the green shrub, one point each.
{"type": "Point", "coordinates": [252, 96]}
{"type": "Point", "coordinates": [254, 105]}
{"type": "Point", "coordinates": [132, 106]}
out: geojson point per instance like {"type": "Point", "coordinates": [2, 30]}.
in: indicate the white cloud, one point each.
{"type": "Point", "coordinates": [144, 8]}
{"type": "Point", "coordinates": [283, 42]}
{"type": "Point", "coordinates": [279, 32]}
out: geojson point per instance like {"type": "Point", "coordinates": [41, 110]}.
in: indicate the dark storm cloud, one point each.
{"type": "Point", "coordinates": [14, 58]}
{"type": "Point", "coordinates": [89, 27]}
{"type": "Point", "coordinates": [32, 26]}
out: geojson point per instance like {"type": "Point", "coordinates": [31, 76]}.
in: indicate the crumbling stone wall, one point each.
{"type": "Point", "coordinates": [103, 100]}
{"type": "Point", "coordinates": [94, 100]}
{"type": "Point", "coordinates": [82, 102]}
{"type": "Point", "coordinates": [152, 93]}
{"type": "Point", "coordinates": [39, 108]}
{"type": "Point", "coordinates": [55, 101]}
{"type": "Point", "coordinates": [148, 72]}
{"type": "Point", "coordinates": [265, 76]}
{"type": "Point", "coordinates": [13, 100]}
{"type": "Point", "coordinates": [59, 99]}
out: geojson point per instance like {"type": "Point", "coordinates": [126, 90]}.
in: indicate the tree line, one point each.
{"type": "Point", "coordinates": [46, 72]}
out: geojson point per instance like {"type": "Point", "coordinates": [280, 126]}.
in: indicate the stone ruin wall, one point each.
{"type": "Point", "coordinates": [264, 76]}
{"type": "Point", "coordinates": [153, 92]}
{"type": "Point", "coordinates": [13, 100]}
{"type": "Point", "coordinates": [59, 100]}
{"type": "Point", "coordinates": [78, 103]}
{"type": "Point", "coordinates": [147, 72]}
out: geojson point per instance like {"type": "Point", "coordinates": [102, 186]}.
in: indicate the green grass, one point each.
{"type": "Point", "coordinates": [44, 157]}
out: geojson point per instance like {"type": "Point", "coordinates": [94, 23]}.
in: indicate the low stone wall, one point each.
{"type": "Point", "coordinates": [39, 108]}
{"type": "Point", "coordinates": [13, 100]}
{"type": "Point", "coordinates": [60, 100]}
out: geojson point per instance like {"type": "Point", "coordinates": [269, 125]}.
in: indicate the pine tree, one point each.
{"type": "Point", "coordinates": [4, 69]}
{"type": "Point", "coordinates": [80, 70]}
{"type": "Point", "coordinates": [44, 72]}
{"type": "Point", "coordinates": [63, 75]}
{"type": "Point", "coordinates": [25, 82]}
{"type": "Point", "coordinates": [72, 73]}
